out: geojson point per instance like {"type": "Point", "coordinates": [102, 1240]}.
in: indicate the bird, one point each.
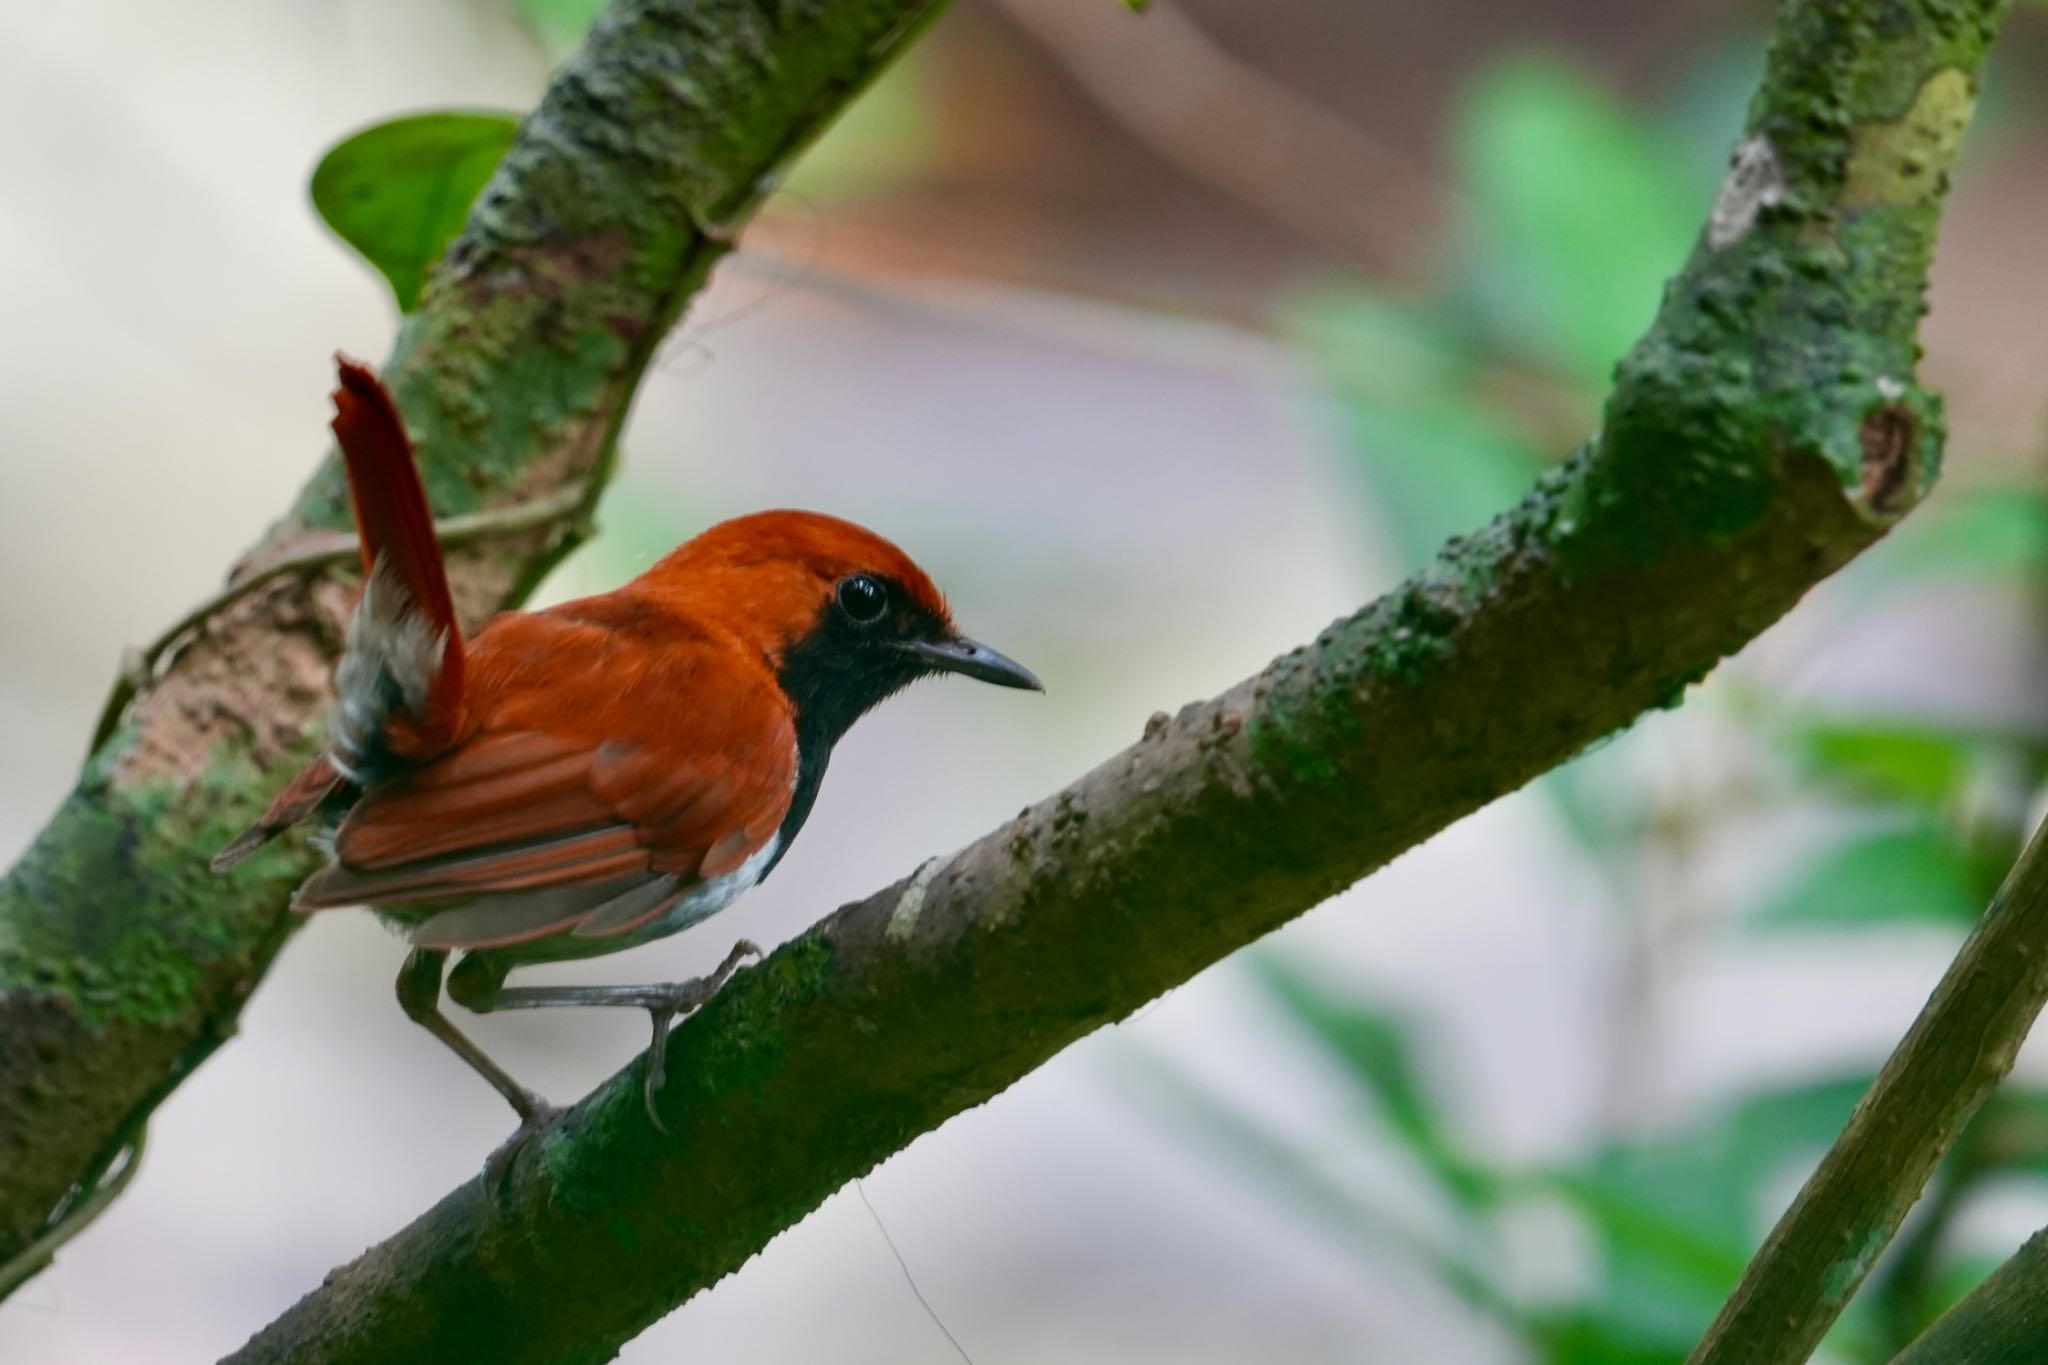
{"type": "Point", "coordinates": [602, 773]}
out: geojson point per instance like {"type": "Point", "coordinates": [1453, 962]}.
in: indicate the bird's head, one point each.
{"type": "Point", "coordinates": [845, 617]}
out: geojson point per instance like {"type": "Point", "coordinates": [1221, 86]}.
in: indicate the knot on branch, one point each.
{"type": "Point", "coordinates": [1891, 439]}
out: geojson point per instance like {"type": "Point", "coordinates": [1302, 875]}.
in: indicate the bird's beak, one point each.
{"type": "Point", "coordinates": [971, 659]}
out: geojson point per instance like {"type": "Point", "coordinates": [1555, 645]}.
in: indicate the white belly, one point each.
{"type": "Point", "coordinates": [709, 896]}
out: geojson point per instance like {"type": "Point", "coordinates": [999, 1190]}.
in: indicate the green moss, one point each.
{"type": "Point", "coordinates": [119, 918]}
{"type": "Point", "coordinates": [1783, 341]}
{"type": "Point", "coordinates": [1279, 750]}
{"type": "Point", "coordinates": [742, 1033]}
{"type": "Point", "coordinates": [1839, 67]}
{"type": "Point", "coordinates": [1787, 337]}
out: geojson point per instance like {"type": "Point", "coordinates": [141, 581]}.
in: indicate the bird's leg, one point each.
{"type": "Point", "coordinates": [419, 994]}
{"type": "Point", "coordinates": [662, 1003]}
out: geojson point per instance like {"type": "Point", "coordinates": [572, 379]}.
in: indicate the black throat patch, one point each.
{"type": "Point", "coordinates": [835, 675]}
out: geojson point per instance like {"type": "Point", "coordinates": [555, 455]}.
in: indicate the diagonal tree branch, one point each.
{"type": "Point", "coordinates": [1960, 1047]}
{"type": "Point", "coordinates": [123, 960]}
{"type": "Point", "coordinates": [1766, 429]}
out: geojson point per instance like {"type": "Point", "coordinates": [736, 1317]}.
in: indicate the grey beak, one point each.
{"type": "Point", "coordinates": [972, 659]}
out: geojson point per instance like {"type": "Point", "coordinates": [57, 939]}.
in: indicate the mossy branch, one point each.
{"type": "Point", "coordinates": [123, 961]}
{"type": "Point", "coordinates": [1767, 429]}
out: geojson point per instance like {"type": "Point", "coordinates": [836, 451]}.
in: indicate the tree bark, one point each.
{"type": "Point", "coordinates": [1767, 429]}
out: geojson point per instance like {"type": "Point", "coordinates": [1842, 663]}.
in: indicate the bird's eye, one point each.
{"type": "Point", "coordinates": [863, 599]}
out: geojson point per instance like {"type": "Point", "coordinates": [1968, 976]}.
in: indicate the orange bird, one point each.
{"type": "Point", "coordinates": [588, 778]}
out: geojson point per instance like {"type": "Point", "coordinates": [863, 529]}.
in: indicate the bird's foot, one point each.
{"type": "Point", "coordinates": [534, 1116]}
{"type": "Point", "coordinates": [682, 997]}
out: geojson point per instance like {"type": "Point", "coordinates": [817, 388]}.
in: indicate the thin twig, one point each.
{"type": "Point", "coordinates": [860, 1188]}
{"type": "Point", "coordinates": [25, 1264]}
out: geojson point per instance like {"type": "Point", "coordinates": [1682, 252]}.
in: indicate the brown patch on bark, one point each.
{"type": "Point", "coordinates": [258, 670]}
{"type": "Point", "coordinates": [1890, 434]}
{"type": "Point", "coordinates": [261, 669]}
{"type": "Point", "coordinates": [480, 576]}
{"type": "Point", "coordinates": [574, 452]}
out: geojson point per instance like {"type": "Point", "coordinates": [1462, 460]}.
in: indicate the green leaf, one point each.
{"type": "Point", "coordinates": [1914, 761]}
{"type": "Point", "coordinates": [1440, 469]}
{"type": "Point", "coordinates": [1912, 875]}
{"type": "Point", "coordinates": [398, 192]}
{"type": "Point", "coordinates": [1580, 210]}
{"type": "Point", "coordinates": [1375, 1046]}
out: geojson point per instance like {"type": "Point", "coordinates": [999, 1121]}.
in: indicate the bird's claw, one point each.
{"type": "Point", "coordinates": [683, 997]}
{"type": "Point", "coordinates": [497, 1172]}
{"type": "Point", "coordinates": [657, 1066]}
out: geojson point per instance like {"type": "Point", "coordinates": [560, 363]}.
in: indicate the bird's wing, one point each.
{"type": "Point", "coordinates": [590, 799]}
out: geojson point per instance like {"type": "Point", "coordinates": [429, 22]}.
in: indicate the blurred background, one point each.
{"type": "Point", "coordinates": [1162, 342]}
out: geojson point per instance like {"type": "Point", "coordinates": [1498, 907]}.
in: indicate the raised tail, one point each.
{"type": "Point", "coordinates": [403, 664]}
{"type": "Point", "coordinates": [392, 517]}
{"type": "Point", "coordinates": [399, 683]}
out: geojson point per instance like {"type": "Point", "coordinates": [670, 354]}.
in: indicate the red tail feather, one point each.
{"type": "Point", "coordinates": [404, 630]}
{"type": "Point", "coordinates": [393, 520]}
{"type": "Point", "coordinates": [391, 506]}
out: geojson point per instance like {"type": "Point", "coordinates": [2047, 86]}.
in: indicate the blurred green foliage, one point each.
{"type": "Point", "coordinates": [1578, 211]}
{"type": "Point", "coordinates": [1409, 384]}
{"type": "Point", "coordinates": [558, 24]}
{"type": "Point", "coordinates": [1447, 405]}
{"type": "Point", "coordinates": [1910, 874]}
{"type": "Point", "coordinates": [1676, 1219]}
